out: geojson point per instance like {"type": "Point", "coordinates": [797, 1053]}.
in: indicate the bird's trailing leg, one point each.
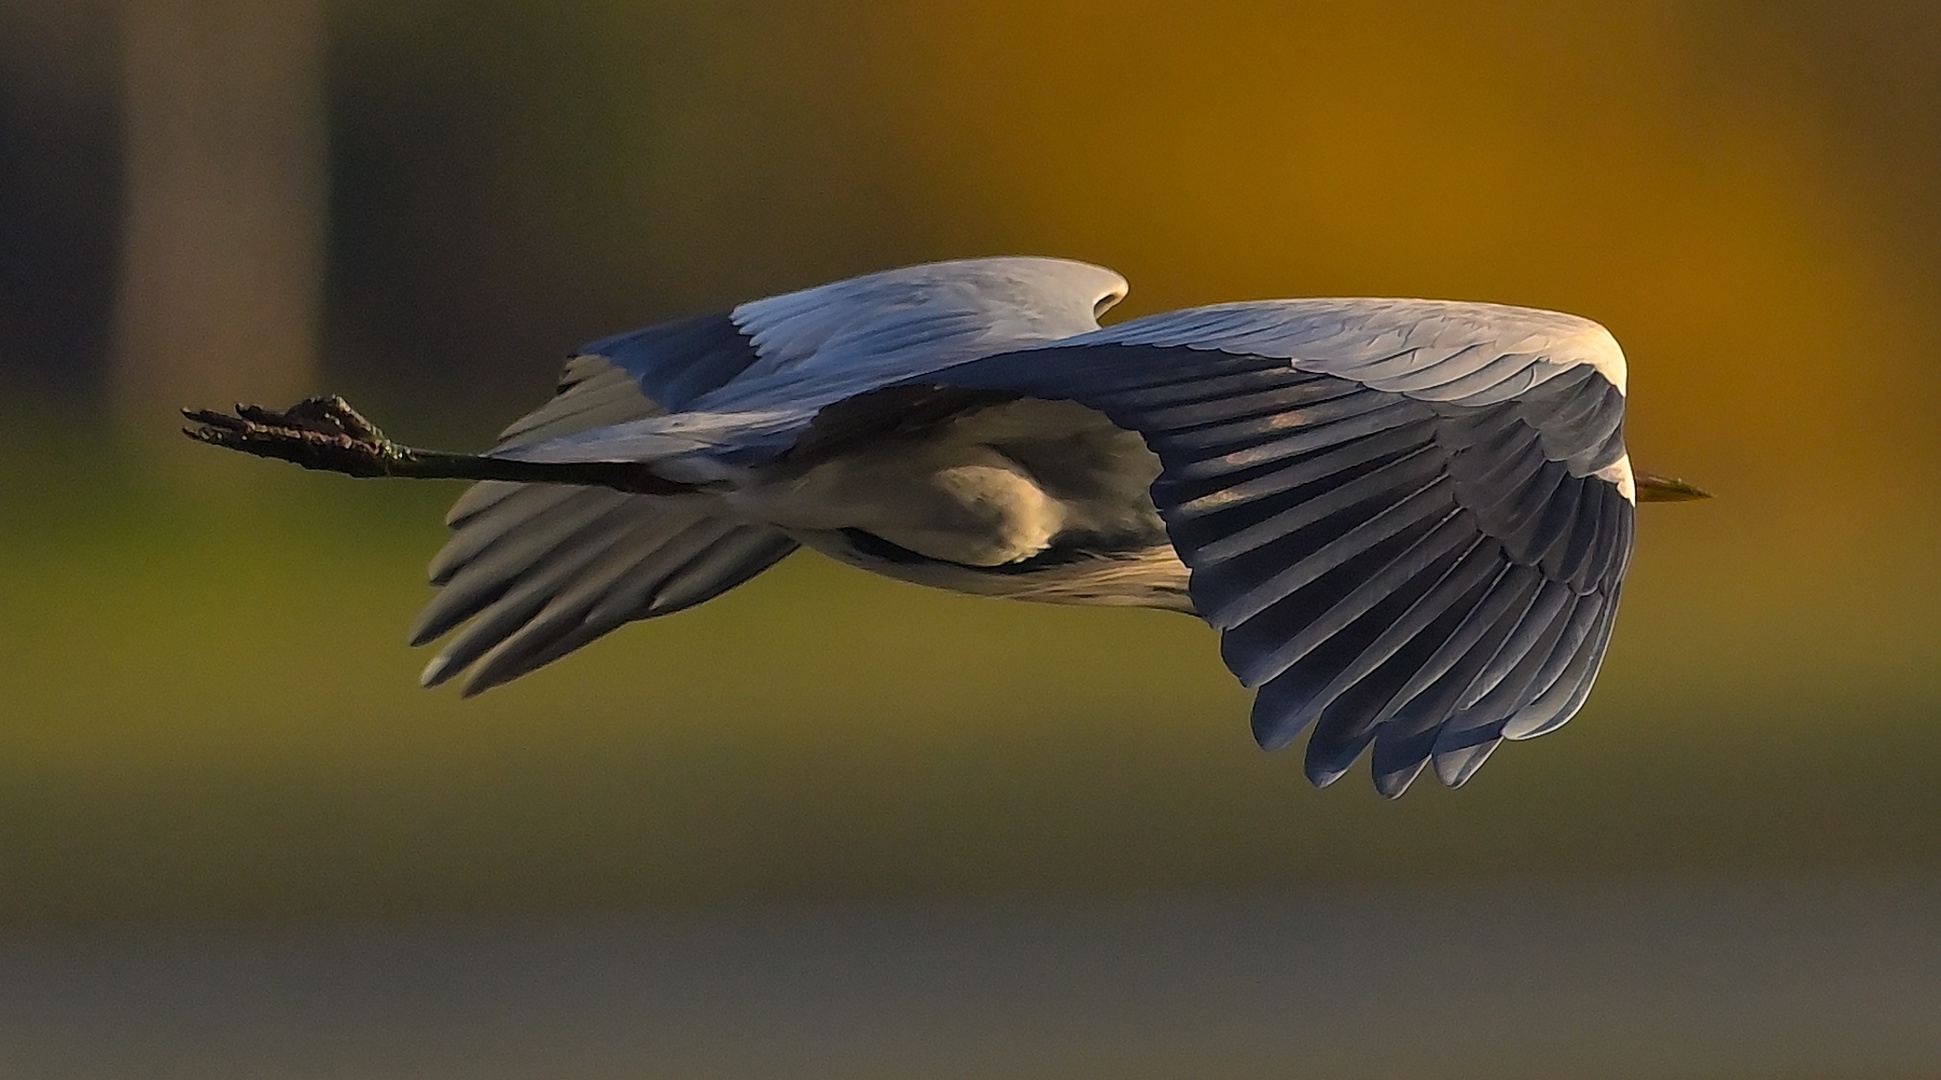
{"type": "Point", "coordinates": [325, 433]}
{"type": "Point", "coordinates": [317, 433]}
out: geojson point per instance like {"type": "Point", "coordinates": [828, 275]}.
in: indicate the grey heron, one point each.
{"type": "Point", "coordinates": [1409, 520]}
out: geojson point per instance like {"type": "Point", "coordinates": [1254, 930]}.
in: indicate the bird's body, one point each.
{"type": "Point", "coordinates": [1409, 519]}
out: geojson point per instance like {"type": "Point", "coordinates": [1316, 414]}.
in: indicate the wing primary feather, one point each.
{"type": "Point", "coordinates": [485, 580]}
{"type": "Point", "coordinates": [1401, 751]}
{"type": "Point", "coordinates": [1510, 517]}
{"type": "Point", "coordinates": [1574, 561]}
{"type": "Point", "coordinates": [1278, 715]}
{"type": "Point", "coordinates": [517, 511]}
{"type": "Point", "coordinates": [1510, 593]}
{"type": "Point", "coordinates": [1507, 469]}
{"type": "Point", "coordinates": [1465, 752]}
{"type": "Point", "coordinates": [1521, 682]}
{"type": "Point", "coordinates": [1223, 437]}
{"type": "Point", "coordinates": [1298, 697]}
{"type": "Point", "coordinates": [1290, 697]}
{"type": "Point", "coordinates": [1438, 545]}
{"type": "Point", "coordinates": [1429, 499]}
{"type": "Point", "coordinates": [479, 498]}
{"type": "Point", "coordinates": [649, 573]}
{"type": "Point", "coordinates": [1546, 534]}
{"type": "Point", "coordinates": [1551, 662]}
{"type": "Point", "coordinates": [1392, 778]}
{"type": "Point", "coordinates": [1133, 376]}
{"type": "Point", "coordinates": [1468, 595]}
{"type": "Point", "coordinates": [1394, 413]}
{"type": "Point", "coordinates": [1310, 397]}
{"type": "Point", "coordinates": [1543, 609]}
{"type": "Point", "coordinates": [1340, 459]}
{"type": "Point", "coordinates": [1547, 714]}
{"type": "Point", "coordinates": [557, 621]}
{"type": "Point", "coordinates": [1411, 471]}
{"type": "Point", "coordinates": [1329, 758]}
{"type": "Point", "coordinates": [1341, 732]}
{"type": "Point", "coordinates": [1498, 489]}
{"type": "Point", "coordinates": [1463, 590]}
{"type": "Point", "coordinates": [515, 607]}
{"type": "Point", "coordinates": [1468, 429]}
{"type": "Point", "coordinates": [728, 562]}
{"type": "Point", "coordinates": [1618, 559]}
{"type": "Point", "coordinates": [1184, 389]}
{"type": "Point", "coordinates": [566, 622]}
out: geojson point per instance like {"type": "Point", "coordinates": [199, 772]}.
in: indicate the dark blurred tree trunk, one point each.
{"type": "Point", "coordinates": [223, 235]}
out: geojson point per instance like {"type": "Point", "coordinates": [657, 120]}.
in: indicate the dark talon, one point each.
{"type": "Point", "coordinates": [318, 433]}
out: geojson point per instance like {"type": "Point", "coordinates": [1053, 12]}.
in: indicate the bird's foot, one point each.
{"type": "Point", "coordinates": [317, 433]}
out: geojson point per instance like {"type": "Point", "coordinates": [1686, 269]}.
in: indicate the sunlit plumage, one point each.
{"type": "Point", "coordinates": [1408, 519]}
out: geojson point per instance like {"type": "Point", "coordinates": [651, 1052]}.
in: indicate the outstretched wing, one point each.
{"type": "Point", "coordinates": [540, 570]}
{"type": "Point", "coordinates": [823, 345]}
{"type": "Point", "coordinates": [1408, 519]}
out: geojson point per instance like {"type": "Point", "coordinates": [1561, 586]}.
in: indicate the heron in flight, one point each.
{"type": "Point", "coordinates": [1409, 520]}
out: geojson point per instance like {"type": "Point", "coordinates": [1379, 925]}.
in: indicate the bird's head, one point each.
{"type": "Point", "coordinates": [1654, 488]}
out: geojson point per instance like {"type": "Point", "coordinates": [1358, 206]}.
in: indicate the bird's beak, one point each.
{"type": "Point", "coordinates": [1652, 488]}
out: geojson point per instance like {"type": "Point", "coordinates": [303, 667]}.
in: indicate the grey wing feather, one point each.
{"type": "Point", "coordinates": [640, 561]}
{"type": "Point", "coordinates": [540, 573]}
{"type": "Point", "coordinates": [540, 570]}
{"type": "Point", "coordinates": [822, 345]}
{"type": "Point", "coordinates": [668, 364]}
{"type": "Point", "coordinates": [1409, 519]}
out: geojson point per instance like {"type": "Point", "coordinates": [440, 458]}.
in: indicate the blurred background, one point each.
{"type": "Point", "coordinates": [219, 779]}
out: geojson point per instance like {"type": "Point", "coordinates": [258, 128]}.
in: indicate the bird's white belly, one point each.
{"type": "Point", "coordinates": [1034, 500]}
{"type": "Point", "coordinates": [993, 487]}
{"type": "Point", "coordinates": [960, 504]}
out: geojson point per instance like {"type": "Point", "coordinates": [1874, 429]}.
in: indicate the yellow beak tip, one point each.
{"type": "Point", "coordinates": [1652, 488]}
